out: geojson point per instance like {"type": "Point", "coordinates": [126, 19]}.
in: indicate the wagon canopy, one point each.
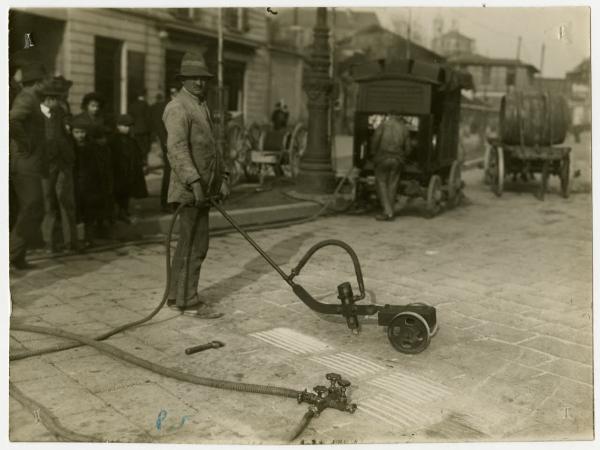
{"type": "Point", "coordinates": [439, 75]}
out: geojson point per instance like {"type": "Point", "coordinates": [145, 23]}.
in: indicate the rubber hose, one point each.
{"type": "Point", "coordinates": [51, 423]}
{"type": "Point", "coordinates": [119, 329]}
{"type": "Point", "coordinates": [161, 370]}
{"type": "Point", "coordinates": [302, 425]}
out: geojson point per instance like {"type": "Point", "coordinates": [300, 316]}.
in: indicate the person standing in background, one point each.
{"type": "Point", "coordinates": [128, 171]}
{"type": "Point", "coordinates": [58, 188]}
{"type": "Point", "coordinates": [140, 111]}
{"type": "Point", "coordinates": [27, 163]}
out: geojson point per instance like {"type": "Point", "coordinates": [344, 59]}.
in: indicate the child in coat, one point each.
{"type": "Point", "coordinates": [128, 168]}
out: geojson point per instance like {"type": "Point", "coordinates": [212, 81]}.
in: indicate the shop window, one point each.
{"type": "Point", "coordinates": [107, 72]}
{"type": "Point", "coordinates": [511, 76]}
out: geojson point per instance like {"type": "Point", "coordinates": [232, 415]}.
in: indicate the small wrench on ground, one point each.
{"type": "Point", "coordinates": [201, 348]}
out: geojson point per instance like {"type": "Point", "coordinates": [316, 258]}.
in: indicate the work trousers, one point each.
{"type": "Point", "coordinates": [59, 200]}
{"type": "Point", "coordinates": [191, 247]}
{"type": "Point", "coordinates": [387, 176]}
{"type": "Point", "coordinates": [166, 177]}
{"type": "Point", "coordinates": [28, 190]}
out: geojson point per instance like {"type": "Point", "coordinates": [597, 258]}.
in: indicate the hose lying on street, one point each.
{"type": "Point", "coordinates": [50, 421]}
{"type": "Point", "coordinates": [119, 329]}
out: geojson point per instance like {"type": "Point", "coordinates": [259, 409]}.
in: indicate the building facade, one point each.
{"type": "Point", "coordinates": [494, 77]}
{"type": "Point", "coordinates": [580, 100]}
{"type": "Point", "coordinates": [119, 52]}
{"type": "Point", "coordinates": [452, 43]}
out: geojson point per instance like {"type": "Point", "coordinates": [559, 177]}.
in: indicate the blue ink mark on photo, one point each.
{"type": "Point", "coordinates": [162, 415]}
{"type": "Point", "coordinates": [184, 420]}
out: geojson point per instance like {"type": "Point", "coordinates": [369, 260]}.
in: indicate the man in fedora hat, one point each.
{"type": "Point", "coordinates": [58, 186]}
{"type": "Point", "coordinates": [27, 162]}
{"type": "Point", "coordinates": [198, 173]}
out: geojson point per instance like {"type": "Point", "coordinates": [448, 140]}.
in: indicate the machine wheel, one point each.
{"type": "Point", "coordinates": [565, 169]}
{"type": "Point", "coordinates": [409, 333]}
{"type": "Point", "coordinates": [455, 185]}
{"type": "Point", "coordinates": [236, 152]}
{"type": "Point", "coordinates": [496, 170]}
{"type": "Point", "coordinates": [434, 196]}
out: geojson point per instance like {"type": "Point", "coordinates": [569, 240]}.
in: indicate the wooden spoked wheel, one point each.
{"type": "Point", "coordinates": [455, 184]}
{"type": "Point", "coordinates": [496, 170]}
{"type": "Point", "coordinates": [434, 196]}
{"type": "Point", "coordinates": [297, 148]}
{"type": "Point", "coordinates": [565, 169]}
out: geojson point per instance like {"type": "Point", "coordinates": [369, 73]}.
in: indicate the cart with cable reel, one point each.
{"type": "Point", "coordinates": [533, 125]}
{"type": "Point", "coordinates": [427, 96]}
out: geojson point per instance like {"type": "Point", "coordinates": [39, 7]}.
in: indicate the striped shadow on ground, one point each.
{"type": "Point", "coordinates": [348, 364]}
{"type": "Point", "coordinates": [411, 388]}
{"type": "Point", "coordinates": [291, 341]}
{"type": "Point", "coordinates": [397, 412]}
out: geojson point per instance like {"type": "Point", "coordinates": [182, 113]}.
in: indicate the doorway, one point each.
{"type": "Point", "coordinates": [107, 73]}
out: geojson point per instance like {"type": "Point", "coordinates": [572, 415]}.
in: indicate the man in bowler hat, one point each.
{"type": "Point", "coordinates": [27, 164]}
{"type": "Point", "coordinates": [198, 173]}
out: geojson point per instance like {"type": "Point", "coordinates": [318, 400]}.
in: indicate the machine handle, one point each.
{"type": "Point", "coordinates": [337, 243]}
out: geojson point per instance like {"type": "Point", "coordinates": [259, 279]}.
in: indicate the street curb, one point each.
{"type": "Point", "coordinates": [244, 217]}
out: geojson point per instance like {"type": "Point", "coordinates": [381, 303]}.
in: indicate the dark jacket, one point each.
{"type": "Point", "coordinates": [158, 127]}
{"type": "Point", "coordinates": [128, 172]}
{"type": "Point", "coordinates": [27, 134]}
{"type": "Point", "coordinates": [140, 111]}
{"type": "Point", "coordinates": [94, 181]}
{"type": "Point", "coordinates": [191, 148]}
{"type": "Point", "coordinates": [58, 145]}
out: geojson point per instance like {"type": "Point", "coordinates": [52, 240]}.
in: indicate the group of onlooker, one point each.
{"type": "Point", "coordinates": [67, 169]}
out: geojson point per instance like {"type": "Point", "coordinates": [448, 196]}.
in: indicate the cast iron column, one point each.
{"type": "Point", "coordinates": [316, 175]}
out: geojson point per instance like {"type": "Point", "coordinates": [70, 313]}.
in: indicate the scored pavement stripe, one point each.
{"type": "Point", "coordinates": [291, 340]}
{"type": "Point", "coordinates": [417, 389]}
{"type": "Point", "coordinates": [352, 364]}
{"type": "Point", "coordinates": [395, 411]}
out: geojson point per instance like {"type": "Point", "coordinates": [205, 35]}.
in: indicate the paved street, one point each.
{"type": "Point", "coordinates": [510, 277]}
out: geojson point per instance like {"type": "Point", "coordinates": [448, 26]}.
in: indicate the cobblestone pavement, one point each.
{"type": "Point", "coordinates": [510, 277]}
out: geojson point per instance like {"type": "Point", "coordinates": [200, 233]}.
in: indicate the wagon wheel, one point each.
{"type": "Point", "coordinates": [565, 169]}
{"type": "Point", "coordinates": [252, 142]}
{"type": "Point", "coordinates": [455, 184]}
{"type": "Point", "coordinates": [434, 196]}
{"type": "Point", "coordinates": [487, 176]}
{"type": "Point", "coordinates": [236, 152]}
{"type": "Point", "coordinates": [496, 170]}
{"type": "Point", "coordinates": [297, 148]}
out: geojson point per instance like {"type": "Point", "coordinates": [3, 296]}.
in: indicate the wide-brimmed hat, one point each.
{"type": "Point", "coordinates": [66, 84]}
{"type": "Point", "coordinates": [192, 66]}
{"type": "Point", "coordinates": [125, 119]}
{"type": "Point", "coordinates": [53, 88]}
{"type": "Point", "coordinates": [33, 71]}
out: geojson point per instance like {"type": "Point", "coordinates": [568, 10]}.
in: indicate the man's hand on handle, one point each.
{"type": "Point", "coordinates": [224, 191]}
{"type": "Point", "coordinates": [199, 198]}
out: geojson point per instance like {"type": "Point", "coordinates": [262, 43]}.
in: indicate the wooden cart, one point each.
{"type": "Point", "coordinates": [517, 161]}
{"type": "Point", "coordinates": [428, 97]}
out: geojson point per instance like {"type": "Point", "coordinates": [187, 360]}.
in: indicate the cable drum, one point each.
{"type": "Point", "coordinates": [533, 118]}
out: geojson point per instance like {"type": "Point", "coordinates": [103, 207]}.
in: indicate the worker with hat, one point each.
{"type": "Point", "coordinates": [27, 162]}
{"type": "Point", "coordinates": [198, 173]}
{"type": "Point", "coordinates": [58, 186]}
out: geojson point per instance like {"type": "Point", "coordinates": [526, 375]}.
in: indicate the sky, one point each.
{"type": "Point", "coordinates": [565, 31]}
